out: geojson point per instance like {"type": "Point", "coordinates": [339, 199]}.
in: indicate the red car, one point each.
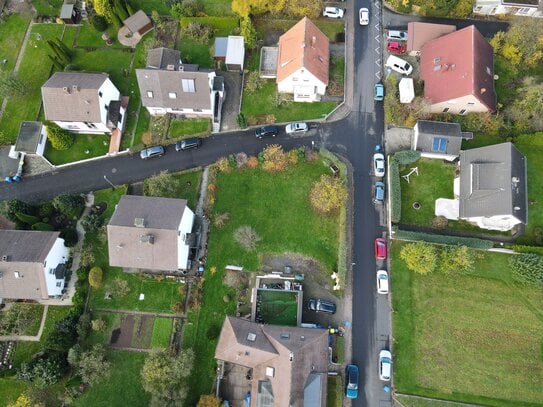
{"type": "Point", "coordinates": [380, 249]}
{"type": "Point", "coordinates": [396, 47]}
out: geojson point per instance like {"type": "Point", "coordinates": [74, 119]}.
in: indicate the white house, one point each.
{"type": "Point", "coordinates": [32, 264]}
{"type": "Point", "coordinates": [520, 8]}
{"type": "Point", "coordinates": [83, 102]}
{"type": "Point", "coordinates": [302, 62]}
{"type": "Point", "coordinates": [151, 234]}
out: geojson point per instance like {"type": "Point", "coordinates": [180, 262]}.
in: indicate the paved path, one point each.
{"type": "Point", "coordinates": [130, 312]}
{"type": "Point", "coordinates": [28, 337]}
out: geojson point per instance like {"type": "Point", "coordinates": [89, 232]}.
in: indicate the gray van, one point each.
{"type": "Point", "coordinates": [187, 144]}
{"type": "Point", "coordinates": [152, 152]}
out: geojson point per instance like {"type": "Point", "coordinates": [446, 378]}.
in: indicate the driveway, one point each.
{"type": "Point", "coordinates": [231, 105]}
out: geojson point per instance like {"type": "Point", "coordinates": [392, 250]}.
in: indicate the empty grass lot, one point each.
{"type": "Point", "coordinates": [162, 331]}
{"type": "Point", "coordinates": [276, 206]}
{"type": "Point", "coordinates": [473, 338]}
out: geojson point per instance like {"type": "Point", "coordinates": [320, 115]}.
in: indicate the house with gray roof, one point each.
{"type": "Point", "coordinates": [32, 265]}
{"type": "Point", "coordinates": [84, 102]}
{"type": "Point", "coordinates": [31, 138]}
{"type": "Point", "coordinates": [151, 234]}
{"type": "Point", "coordinates": [438, 139]}
{"type": "Point", "coordinates": [179, 89]}
{"type": "Point", "coordinates": [287, 366]}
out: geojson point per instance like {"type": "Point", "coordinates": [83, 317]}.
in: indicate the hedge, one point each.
{"type": "Point", "coordinates": [395, 192]}
{"type": "Point", "coordinates": [23, 217]}
{"type": "Point", "coordinates": [44, 227]}
{"type": "Point", "coordinates": [528, 249]}
{"type": "Point", "coordinates": [407, 156]}
{"type": "Point", "coordinates": [473, 242]}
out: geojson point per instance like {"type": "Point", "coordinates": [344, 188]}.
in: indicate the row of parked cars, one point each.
{"type": "Point", "coordinates": [352, 374]}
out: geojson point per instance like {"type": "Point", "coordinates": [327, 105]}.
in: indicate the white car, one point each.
{"type": "Point", "coordinates": [399, 65]}
{"type": "Point", "coordinates": [333, 12]}
{"type": "Point", "coordinates": [382, 282]}
{"type": "Point", "coordinates": [364, 15]}
{"type": "Point", "coordinates": [385, 365]}
{"type": "Point", "coordinates": [379, 165]}
{"type": "Point", "coordinates": [294, 128]}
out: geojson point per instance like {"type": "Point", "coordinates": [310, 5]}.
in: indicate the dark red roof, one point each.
{"type": "Point", "coordinates": [458, 64]}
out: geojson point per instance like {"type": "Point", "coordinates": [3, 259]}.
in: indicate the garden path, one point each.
{"type": "Point", "coordinates": [131, 312]}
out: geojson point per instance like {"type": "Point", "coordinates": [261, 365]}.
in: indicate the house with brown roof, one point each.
{"type": "Point", "coordinates": [83, 102]}
{"type": "Point", "coordinates": [419, 33]}
{"type": "Point", "coordinates": [287, 366]}
{"type": "Point", "coordinates": [167, 86]}
{"type": "Point", "coordinates": [151, 234]}
{"type": "Point", "coordinates": [458, 73]}
{"type": "Point", "coordinates": [32, 265]}
{"type": "Point", "coordinates": [303, 61]}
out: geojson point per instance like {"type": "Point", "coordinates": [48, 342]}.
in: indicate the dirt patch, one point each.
{"type": "Point", "coordinates": [300, 264]}
{"type": "Point", "coordinates": [271, 38]}
{"type": "Point", "coordinates": [142, 332]}
{"type": "Point", "coordinates": [236, 279]}
{"type": "Point", "coordinates": [122, 337]}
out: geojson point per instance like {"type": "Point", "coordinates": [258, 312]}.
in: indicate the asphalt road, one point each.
{"type": "Point", "coordinates": [354, 137]}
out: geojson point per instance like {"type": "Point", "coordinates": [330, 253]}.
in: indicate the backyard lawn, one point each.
{"type": "Point", "coordinates": [278, 307]}
{"type": "Point", "coordinates": [12, 32]}
{"type": "Point", "coordinates": [85, 146]}
{"type": "Point", "coordinates": [472, 338]}
{"type": "Point", "coordinates": [162, 331]}
{"type": "Point", "coordinates": [185, 127]}
{"type": "Point", "coordinates": [187, 186]}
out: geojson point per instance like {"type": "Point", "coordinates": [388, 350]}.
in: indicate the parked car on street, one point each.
{"type": "Point", "coordinates": [397, 35]}
{"type": "Point", "coordinates": [351, 377]}
{"type": "Point", "coordinates": [378, 92]}
{"type": "Point", "coordinates": [380, 248]}
{"type": "Point", "coordinates": [382, 282]}
{"type": "Point", "coordinates": [293, 128]}
{"type": "Point", "coordinates": [379, 192]}
{"type": "Point", "coordinates": [385, 365]}
{"type": "Point", "coordinates": [318, 305]}
{"type": "Point", "coordinates": [333, 12]}
{"type": "Point", "coordinates": [379, 165]}
{"type": "Point", "coordinates": [187, 144]}
{"type": "Point", "coordinates": [396, 47]}
{"type": "Point", "coordinates": [399, 65]}
{"type": "Point", "coordinates": [266, 131]}
{"type": "Point", "coordinates": [364, 16]}
{"type": "Point", "coordinates": [150, 152]}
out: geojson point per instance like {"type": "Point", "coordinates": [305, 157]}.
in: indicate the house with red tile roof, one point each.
{"type": "Point", "coordinates": [302, 62]}
{"type": "Point", "coordinates": [458, 73]}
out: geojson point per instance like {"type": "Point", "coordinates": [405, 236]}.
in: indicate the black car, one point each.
{"type": "Point", "coordinates": [318, 305]}
{"type": "Point", "coordinates": [266, 131]}
{"type": "Point", "coordinates": [188, 144]}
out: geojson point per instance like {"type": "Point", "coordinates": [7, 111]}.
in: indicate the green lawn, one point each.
{"type": "Point", "coordinates": [279, 307]}
{"type": "Point", "coordinates": [217, 7]}
{"type": "Point", "coordinates": [241, 194]}
{"type": "Point", "coordinates": [261, 102]}
{"type": "Point", "coordinates": [12, 32]}
{"type": "Point", "coordinates": [337, 70]}
{"type": "Point", "coordinates": [186, 127]}
{"type": "Point", "coordinates": [416, 402]}
{"type": "Point", "coordinates": [162, 331]}
{"type": "Point", "coordinates": [334, 397]}
{"type": "Point", "coordinates": [188, 186]}
{"type": "Point", "coordinates": [151, 5]}
{"type": "Point", "coordinates": [112, 320]}
{"type": "Point", "coordinates": [47, 7]}
{"type": "Point", "coordinates": [472, 338]}
{"type": "Point", "coordinates": [10, 389]}
{"type": "Point", "coordinates": [85, 146]}
{"type": "Point", "coordinates": [122, 387]}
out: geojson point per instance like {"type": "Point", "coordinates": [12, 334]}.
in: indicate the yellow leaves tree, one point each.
{"type": "Point", "coordinates": [275, 159]}
{"type": "Point", "coordinates": [208, 400]}
{"type": "Point", "coordinates": [302, 8]}
{"type": "Point", "coordinates": [252, 7]}
{"type": "Point", "coordinates": [24, 401]}
{"type": "Point", "coordinates": [327, 194]}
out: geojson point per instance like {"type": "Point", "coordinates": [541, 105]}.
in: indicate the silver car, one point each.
{"type": "Point", "coordinates": [293, 128]}
{"type": "Point", "coordinates": [150, 152]}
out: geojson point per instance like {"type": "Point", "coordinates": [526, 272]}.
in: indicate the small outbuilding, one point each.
{"type": "Point", "coordinates": [31, 139]}
{"type": "Point", "coordinates": [70, 13]}
{"type": "Point", "coordinates": [139, 23]}
{"type": "Point", "coordinates": [231, 50]}
{"type": "Point", "coordinates": [219, 48]}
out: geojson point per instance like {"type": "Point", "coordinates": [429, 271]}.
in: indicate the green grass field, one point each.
{"type": "Point", "coordinates": [278, 307]}
{"type": "Point", "coordinates": [472, 338]}
{"type": "Point", "coordinates": [162, 331]}
{"type": "Point", "coordinates": [85, 146]}
{"type": "Point", "coordinates": [334, 396]}
{"type": "Point", "coordinates": [185, 127]}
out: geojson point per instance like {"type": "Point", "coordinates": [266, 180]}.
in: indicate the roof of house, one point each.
{"type": "Point", "coordinates": [73, 96]}
{"type": "Point", "coordinates": [419, 33]}
{"type": "Point", "coordinates": [459, 64]}
{"type": "Point", "coordinates": [284, 359]}
{"type": "Point", "coordinates": [26, 246]}
{"type": "Point", "coordinates": [430, 131]}
{"type": "Point", "coordinates": [29, 137]}
{"type": "Point", "coordinates": [303, 46]}
{"type": "Point", "coordinates": [137, 21]}
{"type": "Point", "coordinates": [493, 182]}
{"type": "Point", "coordinates": [167, 88]}
{"type": "Point", "coordinates": [163, 58]}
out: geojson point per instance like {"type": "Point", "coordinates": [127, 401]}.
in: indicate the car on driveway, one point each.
{"type": "Point", "coordinates": [294, 128]}
{"type": "Point", "coordinates": [385, 365]}
{"type": "Point", "coordinates": [351, 377]}
{"type": "Point", "coordinates": [396, 47]}
{"type": "Point", "coordinates": [187, 144]}
{"type": "Point", "coordinates": [333, 12]}
{"type": "Point", "coordinates": [382, 282]}
{"type": "Point", "coordinates": [318, 305]}
{"type": "Point", "coordinates": [378, 92]}
{"type": "Point", "coordinates": [380, 248]}
{"type": "Point", "coordinates": [379, 192]}
{"type": "Point", "coordinates": [150, 152]}
{"type": "Point", "coordinates": [266, 131]}
{"type": "Point", "coordinates": [399, 65]}
{"type": "Point", "coordinates": [379, 165]}
{"type": "Point", "coordinates": [397, 35]}
{"type": "Point", "coordinates": [364, 16]}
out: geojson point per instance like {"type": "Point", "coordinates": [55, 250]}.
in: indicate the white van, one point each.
{"type": "Point", "coordinates": [399, 65]}
{"type": "Point", "coordinates": [397, 35]}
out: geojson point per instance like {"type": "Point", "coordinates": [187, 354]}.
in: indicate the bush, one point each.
{"type": "Point", "coordinates": [60, 139]}
{"type": "Point", "coordinates": [275, 159]}
{"type": "Point", "coordinates": [186, 8]}
{"type": "Point", "coordinates": [456, 259]}
{"type": "Point", "coordinates": [328, 194]}
{"type": "Point", "coordinates": [46, 210]}
{"type": "Point", "coordinates": [253, 81]}
{"type": "Point", "coordinates": [395, 191]}
{"type": "Point", "coordinates": [440, 222]}
{"type": "Point", "coordinates": [99, 23]}
{"type": "Point", "coordinates": [83, 326]}
{"type": "Point", "coordinates": [64, 334]}
{"type": "Point", "coordinates": [10, 209]}
{"type": "Point", "coordinates": [69, 205]}
{"type": "Point", "coordinates": [213, 332]}
{"type": "Point", "coordinates": [119, 287]}
{"type": "Point", "coordinates": [419, 257]}
{"type": "Point", "coordinates": [29, 219]}
{"type": "Point", "coordinates": [95, 277]}
{"type": "Point", "coordinates": [48, 370]}
{"type": "Point", "coordinates": [247, 237]}
{"type": "Point", "coordinates": [407, 156]}
{"type": "Point", "coordinates": [98, 324]}
{"type": "Point", "coordinates": [472, 242]}
{"type": "Point", "coordinates": [92, 222]}
{"type": "Point", "coordinates": [527, 269]}
{"type": "Point", "coordinates": [199, 32]}
{"type": "Point", "coordinates": [70, 237]}
{"type": "Point", "coordinates": [44, 227]}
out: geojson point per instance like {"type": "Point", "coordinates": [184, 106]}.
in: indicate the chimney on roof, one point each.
{"type": "Point", "coordinates": [313, 41]}
{"type": "Point", "coordinates": [139, 222]}
{"type": "Point", "coordinates": [65, 89]}
{"type": "Point", "coordinates": [148, 238]}
{"type": "Point", "coordinates": [4, 257]}
{"type": "Point", "coordinates": [303, 44]}
{"type": "Point", "coordinates": [75, 88]}
{"type": "Point", "coordinates": [170, 67]}
{"type": "Point", "coordinates": [181, 68]}
{"type": "Point", "coordinates": [483, 90]}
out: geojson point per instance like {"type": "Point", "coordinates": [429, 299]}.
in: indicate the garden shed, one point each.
{"type": "Point", "coordinates": [235, 53]}
{"type": "Point", "coordinates": [138, 23]}
{"type": "Point", "coordinates": [31, 138]}
{"type": "Point", "coordinates": [219, 49]}
{"type": "Point", "coordinates": [69, 13]}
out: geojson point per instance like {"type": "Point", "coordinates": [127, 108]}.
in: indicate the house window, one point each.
{"type": "Point", "coordinates": [471, 103]}
{"type": "Point", "coordinates": [188, 85]}
{"type": "Point", "coordinates": [120, 118]}
{"type": "Point", "coordinates": [17, 274]}
{"type": "Point", "coordinates": [439, 144]}
{"type": "Point", "coordinates": [437, 60]}
{"type": "Point", "coordinates": [100, 94]}
{"type": "Point", "coordinates": [445, 110]}
{"type": "Point", "coordinates": [463, 111]}
{"type": "Point", "coordinates": [59, 284]}
{"type": "Point", "coordinates": [106, 107]}
{"type": "Point", "coordinates": [196, 110]}
{"type": "Point", "coordinates": [437, 68]}
{"type": "Point", "coordinates": [149, 93]}
{"type": "Point", "coordinates": [51, 271]}
{"type": "Point", "coordinates": [172, 95]}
